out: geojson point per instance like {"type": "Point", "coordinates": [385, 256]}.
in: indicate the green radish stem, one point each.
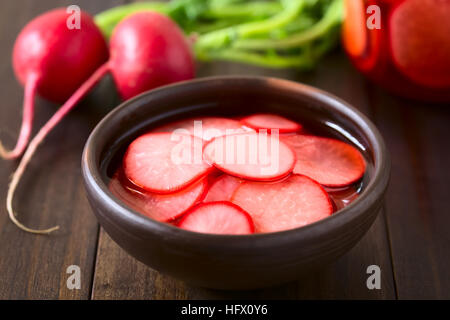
{"type": "Point", "coordinates": [331, 18]}
{"type": "Point", "coordinates": [201, 28]}
{"type": "Point", "coordinates": [269, 60]}
{"type": "Point", "coordinates": [27, 120]}
{"type": "Point", "coordinates": [40, 136]}
{"type": "Point", "coordinates": [219, 38]}
{"type": "Point", "coordinates": [243, 10]}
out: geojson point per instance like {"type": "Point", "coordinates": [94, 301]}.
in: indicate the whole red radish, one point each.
{"type": "Point", "coordinates": [147, 50]}
{"type": "Point", "coordinates": [52, 60]}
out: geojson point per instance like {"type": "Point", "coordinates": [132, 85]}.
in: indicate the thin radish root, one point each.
{"type": "Point", "coordinates": [37, 140]}
{"type": "Point", "coordinates": [16, 179]}
{"type": "Point", "coordinates": [27, 120]}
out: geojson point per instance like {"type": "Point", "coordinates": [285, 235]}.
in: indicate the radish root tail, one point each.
{"type": "Point", "coordinates": [27, 121]}
{"type": "Point", "coordinates": [15, 181]}
{"type": "Point", "coordinates": [40, 136]}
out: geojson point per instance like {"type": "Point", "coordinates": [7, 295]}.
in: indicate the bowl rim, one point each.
{"type": "Point", "coordinates": [374, 190]}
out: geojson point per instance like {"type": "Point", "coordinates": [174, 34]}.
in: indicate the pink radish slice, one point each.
{"type": "Point", "coordinates": [159, 207]}
{"type": "Point", "coordinates": [251, 156]}
{"type": "Point", "coordinates": [217, 218]}
{"type": "Point", "coordinates": [292, 203]}
{"type": "Point", "coordinates": [206, 128]}
{"type": "Point", "coordinates": [165, 163]}
{"type": "Point", "coordinates": [271, 121]}
{"type": "Point", "coordinates": [330, 162]}
{"type": "Point", "coordinates": [52, 60]}
{"type": "Point", "coordinates": [420, 41]}
{"type": "Point", "coordinates": [222, 188]}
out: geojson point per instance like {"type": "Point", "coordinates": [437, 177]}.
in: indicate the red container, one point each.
{"type": "Point", "coordinates": [402, 45]}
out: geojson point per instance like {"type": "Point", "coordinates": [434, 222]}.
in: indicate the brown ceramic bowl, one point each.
{"type": "Point", "coordinates": [234, 262]}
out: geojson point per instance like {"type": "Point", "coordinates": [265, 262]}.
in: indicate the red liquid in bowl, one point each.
{"type": "Point", "coordinates": [410, 54]}
{"type": "Point", "coordinates": [218, 185]}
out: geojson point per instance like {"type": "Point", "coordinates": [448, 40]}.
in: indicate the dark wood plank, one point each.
{"type": "Point", "coordinates": [34, 267]}
{"type": "Point", "coordinates": [417, 200]}
{"type": "Point", "coordinates": [119, 276]}
{"type": "Point", "coordinates": [346, 279]}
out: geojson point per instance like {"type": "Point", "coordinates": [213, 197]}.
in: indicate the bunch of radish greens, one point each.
{"type": "Point", "coordinates": [273, 34]}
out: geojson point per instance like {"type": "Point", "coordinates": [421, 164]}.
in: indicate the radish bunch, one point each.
{"type": "Point", "coordinates": [236, 195]}
{"type": "Point", "coordinates": [146, 50]}
{"type": "Point", "coordinates": [53, 61]}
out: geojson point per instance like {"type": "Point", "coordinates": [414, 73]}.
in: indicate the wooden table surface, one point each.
{"type": "Point", "coordinates": [410, 240]}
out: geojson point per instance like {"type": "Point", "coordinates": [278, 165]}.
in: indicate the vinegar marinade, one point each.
{"type": "Point", "coordinates": [273, 203]}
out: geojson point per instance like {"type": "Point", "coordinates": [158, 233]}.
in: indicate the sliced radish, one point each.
{"type": "Point", "coordinates": [165, 162]}
{"type": "Point", "coordinates": [222, 188]}
{"type": "Point", "coordinates": [206, 128]}
{"type": "Point", "coordinates": [160, 207]}
{"type": "Point", "coordinates": [254, 156]}
{"type": "Point", "coordinates": [218, 218]}
{"type": "Point", "coordinates": [330, 162]}
{"type": "Point", "coordinates": [292, 203]}
{"type": "Point", "coordinates": [271, 121]}
{"type": "Point", "coordinates": [420, 41]}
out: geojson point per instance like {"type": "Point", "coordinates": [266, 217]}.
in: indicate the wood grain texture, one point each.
{"type": "Point", "coordinates": [119, 276]}
{"type": "Point", "coordinates": [417, 200]}
{"type": "Point", "coordinates": [34, 267]}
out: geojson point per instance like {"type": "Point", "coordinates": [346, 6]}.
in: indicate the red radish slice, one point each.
{"type": "Point", "coordinates": [292, 203]}
{"type": "Point", "coordinates": [420, 41]}
{"type": "Point", "coordinates": [330, 162]}
{"type": "Point", "coordinates": [253, 156]}
{"type": "Point", "coordinates": [218, 218]}
{"type": "Point", "coordinates": [206, 128]}
{"type": "Point", "coordinates": [165, 162]}
{"type": "Point", "coordinates": [222, 188]}
{"type": "Point", "coordinates": [162, 208]}
{"type": "Point", "coordinates": [271, 121]}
